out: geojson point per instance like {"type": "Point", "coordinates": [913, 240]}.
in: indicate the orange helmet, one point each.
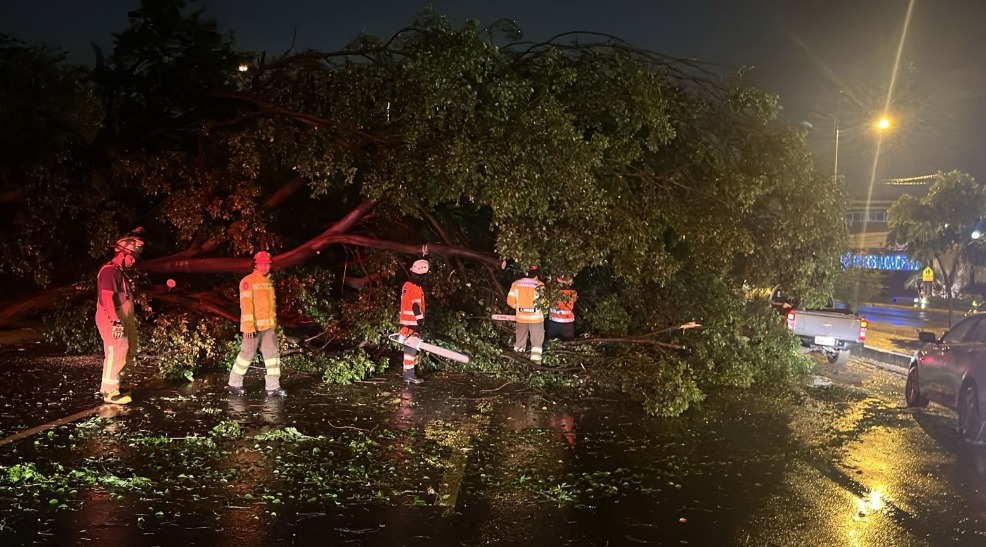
{"type": "Point", "coordinates": [263, 257]}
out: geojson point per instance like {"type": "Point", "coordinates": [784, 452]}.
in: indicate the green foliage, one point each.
{"type": "Point", "coordinates": [185, 343]}
{"type": "Point", "coordinates": [307, 293]}
{"type": "Point", "coordinates": [226, 429]}
{"type": "Point", "coordinates": [70, 323]}
{"type": "Point", "coordinates": [936, 229]}
{"type": "Point", "coordinates": [740, 344]}
{"type": "Point", "coordinates": [351, 366]}
{"type": "Point", "coordinates": [287, 434]}
{"type": "Point", "coordinates": [608, 317]}
{"type": "Point", "coordinates": [857, 286]}
{"type": "Point", "coordinates": [22, 473]}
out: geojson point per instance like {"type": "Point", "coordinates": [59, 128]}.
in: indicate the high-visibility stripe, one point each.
{"type": "Point", "coordinates": [240, 366]}
{"type": "Point", "coordinates": [526, 296]}
{"type": "Point", "coordinates": [411, 294]}
{"type": "Point", "coordinates": [562, 310]}
{"type": "Point", "coordinates": [108, 363]}
{"type": "Point", "coordinates": [258, 304]}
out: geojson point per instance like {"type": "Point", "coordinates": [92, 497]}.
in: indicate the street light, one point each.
{"type": "Point", "coordinates": [882, 124]}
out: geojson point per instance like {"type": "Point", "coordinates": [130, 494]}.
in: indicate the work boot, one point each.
{"type": "Point", "coordinates": [236, 391]}
{"type": "Point", "coordinates": [279, 392]}
{"type": "Point", "coordinates": [410, 378]}
{"type": "Point", "coordinates": [116, 398]}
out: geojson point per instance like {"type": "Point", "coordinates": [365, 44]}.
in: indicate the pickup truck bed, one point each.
{"type": "Point", "coordinates": [831, 331]}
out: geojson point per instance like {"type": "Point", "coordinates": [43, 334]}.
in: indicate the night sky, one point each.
{"type": "Point", "coordinates": [805, 51]}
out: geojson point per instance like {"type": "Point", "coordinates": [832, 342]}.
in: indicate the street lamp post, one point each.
{"type": "Point", "coordinates": [881, 125]}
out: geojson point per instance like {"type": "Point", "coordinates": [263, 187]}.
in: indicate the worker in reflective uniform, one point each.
{"type": "Point", "coordinates": [412, 316]}
{"type": "Point", "coordinates": [561, 316]}
{"type": "Point", "coordinates": [115, 317]}
{"type": "Point", "coordinates": [527, 298]}
{"type": "Point", "coordinates": [258, 323]}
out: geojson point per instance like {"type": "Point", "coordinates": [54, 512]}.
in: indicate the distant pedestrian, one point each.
{"type": "Point", "coordinates": [412, 317]}
{"type": "Point", "coordinates": [561, 316]}
{"type": "Point", "coordinates": [115, 315]}
{"type": "Point", "coordinates": [527, 298]}
{"type": "Point", "coordinates": [258, 323]}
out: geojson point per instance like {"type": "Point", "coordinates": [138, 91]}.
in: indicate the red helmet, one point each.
{"type": "Point", "coordinates": [263, 257]}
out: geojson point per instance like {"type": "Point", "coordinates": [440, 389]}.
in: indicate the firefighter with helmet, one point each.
{"type": "Point", "coordinates": [412, 316]}
{"type": "Point", "coordinates": [258, 323]}
{"type": "Point", "coordinates": [561, 316]}
{"type": "Point", "coordinates": [115, 317]}
{"type": "Point", "coordinates": [527, 298]}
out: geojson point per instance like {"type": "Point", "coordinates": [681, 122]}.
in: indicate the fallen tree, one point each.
{"type": "Point", "coordinates": [659, 185]}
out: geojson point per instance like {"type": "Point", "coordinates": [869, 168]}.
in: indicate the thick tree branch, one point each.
{"type": "Point", "coordinates": [627, 340]}
{"type": "Point", "coordinates": [16, 309]}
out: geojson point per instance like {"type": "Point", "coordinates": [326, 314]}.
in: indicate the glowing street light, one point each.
{"type": "Point", "coordinates": [881, 125]}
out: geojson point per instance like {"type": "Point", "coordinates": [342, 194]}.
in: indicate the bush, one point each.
{"type": "Point", "coordinates": [71, 325]}
{"type": "Point", "coordinates": [346, 368]}
{"type": "Point", "coordinates": [185, 343]}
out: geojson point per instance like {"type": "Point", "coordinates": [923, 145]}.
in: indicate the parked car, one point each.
{"type": "Point", "coordinates": [951, 371]}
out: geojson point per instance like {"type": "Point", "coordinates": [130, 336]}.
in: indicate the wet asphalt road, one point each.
{"type": "Point", "coordinates": [462, 461]}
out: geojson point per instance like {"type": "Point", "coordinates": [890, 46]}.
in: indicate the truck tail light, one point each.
{"type": "Point", "coordinates": [863, 325]}
{"type": "Point", "coordinates": [790, 320]}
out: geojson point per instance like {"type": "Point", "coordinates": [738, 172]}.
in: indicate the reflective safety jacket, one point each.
{"type": "Point", "coordinates": [562, 310]}
{"type": "Point", "coordinates": [526, 296]}
{"type": "Point", "coordinates": [412, 304]}
{"type": "Point", "coordinates": [258, 307]}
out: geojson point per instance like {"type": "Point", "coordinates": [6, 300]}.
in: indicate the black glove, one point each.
{"type": "Point", "coordinates": [117, 330]}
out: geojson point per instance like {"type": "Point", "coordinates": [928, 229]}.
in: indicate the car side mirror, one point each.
{"type": "Point", "coordinates": [926, 337]}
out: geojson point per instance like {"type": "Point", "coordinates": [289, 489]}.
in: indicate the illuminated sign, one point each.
{"type": "Point", "coordinates": [894, 261]}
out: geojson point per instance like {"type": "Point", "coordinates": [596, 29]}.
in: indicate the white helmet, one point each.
{"type": "Point", "coordinates": [420, 267]}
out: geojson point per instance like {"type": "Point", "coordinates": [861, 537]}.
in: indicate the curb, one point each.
{"type": "Point", "coordinates": [887, 360]}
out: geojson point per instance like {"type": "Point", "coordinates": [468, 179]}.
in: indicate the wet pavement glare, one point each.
{"type": "Point", "coordinates": [465, 460]}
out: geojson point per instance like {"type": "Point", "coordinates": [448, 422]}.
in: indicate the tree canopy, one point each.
{"type": "Point", "coordinates": [661, 185]}
{"type": "Point", "coordinates": [936, 230]}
